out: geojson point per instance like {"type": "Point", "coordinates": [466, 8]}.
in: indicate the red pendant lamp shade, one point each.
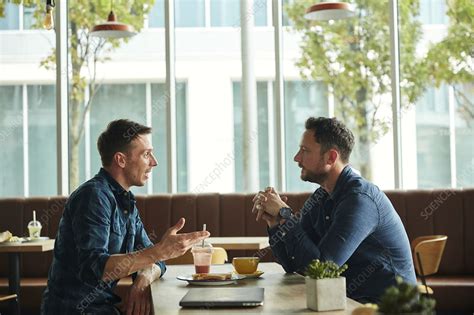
{"type": "Point", "coordinates": [113, 29]}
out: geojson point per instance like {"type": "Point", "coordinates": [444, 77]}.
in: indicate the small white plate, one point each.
{"type": "Point", "coordinates": [190, 280]}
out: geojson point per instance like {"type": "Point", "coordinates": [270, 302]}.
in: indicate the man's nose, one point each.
{"type": "Point", "coordinates": [154, 161]}
{"type": "Point", "coordinates": [296, 158]}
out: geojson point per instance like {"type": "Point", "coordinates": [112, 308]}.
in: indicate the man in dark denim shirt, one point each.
{"type": "Point", "coordinates": [347, 220]}
{"type": "Point", "coordinates": [101, 237]}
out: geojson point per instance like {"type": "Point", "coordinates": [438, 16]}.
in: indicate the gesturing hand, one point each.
{"type": "Point", "coordinates": [174, 245]}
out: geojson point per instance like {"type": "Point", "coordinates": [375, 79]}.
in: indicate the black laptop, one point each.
{"type": "Point", "coordinates": [223, 297]}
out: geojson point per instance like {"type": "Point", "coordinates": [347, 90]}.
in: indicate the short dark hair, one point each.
{"type": "Point", "coordinates": [331, 133]}
{"type": "Point", "coordinates": [117, 138]}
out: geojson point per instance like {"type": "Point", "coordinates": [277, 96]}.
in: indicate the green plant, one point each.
{"type": "Point", "coordinates": [320, 270]}
{"type": "Point", "coordinates": [405, 298]}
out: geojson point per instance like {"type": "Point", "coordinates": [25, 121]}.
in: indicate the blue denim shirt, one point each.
{"type": "Point", "coordinates": [100, 219]}
{"type": "Point", "coordinates": [356, 225]}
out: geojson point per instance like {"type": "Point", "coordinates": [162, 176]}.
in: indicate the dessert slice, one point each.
{"type": "Point", "coordinates": [212, 276]}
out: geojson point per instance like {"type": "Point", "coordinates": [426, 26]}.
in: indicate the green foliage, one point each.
{"type": "Point", "coordinates": [450, 61]}
{"type": "Point", "coordinates": [352, 57]}
{"type": "Point", "coordinates": [405, 298]}
{"type": "Point", "coordinates": [85, 53]}
{"type": "Point", "coordinates": [85, 50]}
{"type": "Point", "coordinates": [322, 270]}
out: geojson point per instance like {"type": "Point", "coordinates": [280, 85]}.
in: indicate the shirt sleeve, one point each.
{"type": "Point", "coordinates": [354, 218]}
{"type": "Point", "coordinates": [91, 229]}
{"type": "Point", "coordinates": [143, 241]}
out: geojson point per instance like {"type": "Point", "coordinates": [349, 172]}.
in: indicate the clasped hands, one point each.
{"type": "Point", "coordinates": [267, 205]}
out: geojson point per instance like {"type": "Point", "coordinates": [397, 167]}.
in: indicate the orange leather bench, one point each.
{"type": "Point", "coordinates": [448, 212]}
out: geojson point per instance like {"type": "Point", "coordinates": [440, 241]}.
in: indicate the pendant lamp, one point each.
{"type": "Point", "coordinates": [325, 11]}
{"type": "Point", "coordinates": [112, 28]}
{"type": "Point", "coordinates": [48, 21]}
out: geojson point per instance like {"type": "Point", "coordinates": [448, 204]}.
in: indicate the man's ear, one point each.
{"type": "Point", "coordinates": [120, 159]}
{"type": "Point", "coordinates": [332, 156]}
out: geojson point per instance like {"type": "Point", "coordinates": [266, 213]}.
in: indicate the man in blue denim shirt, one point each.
{"type": "Point", "coordinates": [346, 220]}
{"type": "Point", "coordinates": [101, 237]}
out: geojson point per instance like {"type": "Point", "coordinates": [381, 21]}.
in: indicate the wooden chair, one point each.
{"type": "Point", "coordinates": [427, 254]}
{"type": "Point", "coordinates": [219, 257]}
{"type": "Point", "coordinates": [13, 298]}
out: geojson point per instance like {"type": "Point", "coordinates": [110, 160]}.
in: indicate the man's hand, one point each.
{"type": "Point", "coordinates": [174, 245]}
{"type": "Point", "coordinates": [267, 205]}
{"type": "Point", "coordinates": [138, 301]}
{"type": "Point", "coordinates": [273, 202]}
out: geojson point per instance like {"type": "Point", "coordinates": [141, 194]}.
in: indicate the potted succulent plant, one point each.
{"type": "Point", "coordinates": [405, 298]}
{"type": "Point", "coordinates": [325, 288]}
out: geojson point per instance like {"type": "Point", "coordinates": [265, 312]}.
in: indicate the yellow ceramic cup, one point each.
{"type": "Point", "coordinates": [245, 265]}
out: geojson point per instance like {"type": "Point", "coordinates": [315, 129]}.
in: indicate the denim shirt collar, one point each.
{"type": "Point", "coordinates": [341, 181]}
{"type": "Point", "coordinates": [121, 194]}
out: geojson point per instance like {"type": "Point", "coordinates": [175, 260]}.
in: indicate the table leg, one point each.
{"type": "Point", "coordinates": [14, 280]}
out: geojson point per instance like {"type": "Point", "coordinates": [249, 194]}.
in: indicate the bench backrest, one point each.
{"type": "Point", "coordinates": [423, 212]}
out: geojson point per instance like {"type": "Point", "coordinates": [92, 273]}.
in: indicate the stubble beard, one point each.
{"type": "Point", "coordinates": [313, 177]}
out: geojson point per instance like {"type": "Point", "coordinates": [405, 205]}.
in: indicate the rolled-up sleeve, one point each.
{"type": "Point", "coordinates": [91, 229]}
{"type": "Point", "coordinates": [143, 241]}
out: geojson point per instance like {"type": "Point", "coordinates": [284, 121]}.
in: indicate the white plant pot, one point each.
{"type": "Point", "coordinates": [326, 294]}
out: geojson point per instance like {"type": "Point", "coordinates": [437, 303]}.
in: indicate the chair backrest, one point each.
{"type": "Point", "coordinates": [219, 256]}
{"type": "Point", "coordinates": [430, 250]}
{"type": "Point", "coordinates": [7, 297]}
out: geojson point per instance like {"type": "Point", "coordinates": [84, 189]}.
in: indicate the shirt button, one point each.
{"type": "Point", "coordinates": [126, 212]}
{"type": "Point", "coordinates": [293, 257]}
{"type": "Point", "coordinates": [327, 217]}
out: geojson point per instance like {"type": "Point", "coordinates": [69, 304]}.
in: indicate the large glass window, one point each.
{"type": "Point", "coordinates": [28, 111]}
{"type": "Point", "coordinates": [321, 78]}
{"type": "Point", "coordinates": [160, 132]}
{"type": "Point", "coordinates": [42, 140]}
{"type": "Point", "coordinates": [115, 101]}
{"type": "Point", "coordinates": [29, 19]}
{"type": "Point", "coordinates": [433, 12]}
{"type": "Point", "coordinates": [262, 138]}
{"type": "Point", "coordinates": [187, 13]}
{"type": "Point", "coordinates": [464, 135]}
{"type": "Point", "coordinates": [432, 138]}
{"type": "Point", "coordinates": [441, 119]}
{"type": "Point", "coordinates": [10, 20]}
{"type": "Point", "coordinates": [227, 13]}
{"type": "Point", "coordinates": [156, 17]}
{"type": "Point", "coordinates": [285, 20]}
{"type": "Point", "coordinates": [11, 141]}
{"type": "Point", "coordinates": [302, 100]}
{"type": "Point", "coordinates": [357, 75]}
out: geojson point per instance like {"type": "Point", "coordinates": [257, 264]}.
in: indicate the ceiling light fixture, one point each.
{"type": "Point", "coordinates": [48, 22]}
{"type": "Point", "coordinates": [112, 28]}
{"type": "Point", "coordinates": [325, 11]}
